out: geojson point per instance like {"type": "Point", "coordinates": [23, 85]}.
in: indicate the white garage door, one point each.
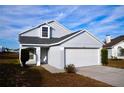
{"type": "Point", "coordinates": [81, 57]}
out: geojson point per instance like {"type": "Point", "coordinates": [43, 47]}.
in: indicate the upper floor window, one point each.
{"type": "Point", "coordinates": [45, 32]}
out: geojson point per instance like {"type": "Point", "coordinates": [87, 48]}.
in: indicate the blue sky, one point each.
{"type": "Point", "coordinates": [99, 20]}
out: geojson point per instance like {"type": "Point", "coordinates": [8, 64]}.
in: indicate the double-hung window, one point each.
{"type": "Point", "coordinates": [45, 32]}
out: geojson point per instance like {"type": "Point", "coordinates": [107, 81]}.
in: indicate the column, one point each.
{"type": "Point", "coordinates": [38, 54]}
{"type": "Point", "coordinates": [20, 55]}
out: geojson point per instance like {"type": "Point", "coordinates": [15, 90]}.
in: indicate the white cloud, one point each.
{"type": "Point", "coordinates": [66, 11]}
{"type": "Point", "coordinates": [87, 14]}
{"type": "Point", "coordinates": [116, 13]}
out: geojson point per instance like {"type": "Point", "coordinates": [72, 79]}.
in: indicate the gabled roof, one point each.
{"type": "Point", "coordinates": [38, 40]}
{"type": "Point", "coordinates": [45, 23]}
{"type": "Point", "coordinates": [36, 27]}
{"type": "Point", "coordinates": [114, 41]}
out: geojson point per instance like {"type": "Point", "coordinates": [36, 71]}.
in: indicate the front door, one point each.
{"type": "Point", "coordinates": [44, 55]}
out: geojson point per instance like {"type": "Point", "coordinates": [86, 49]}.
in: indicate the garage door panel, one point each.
{"type": "Point", "coordinates": [82, 57]}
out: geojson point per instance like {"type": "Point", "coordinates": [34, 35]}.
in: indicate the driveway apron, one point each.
{"type": "Point", "coordinates": [110, 75]}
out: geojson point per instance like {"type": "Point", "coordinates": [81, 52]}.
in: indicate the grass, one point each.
{"type": "Point", "coordinates": [118, 63]}
{"type": "Point", "coordinates": [11, 75]}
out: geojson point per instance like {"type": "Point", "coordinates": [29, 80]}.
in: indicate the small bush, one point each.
{"type": "Point", "coordinates": [104, 56]}
{"type": "Point", "coordinates": [24, 56]}
{"type": "Point", "coordinates": [70, 68]}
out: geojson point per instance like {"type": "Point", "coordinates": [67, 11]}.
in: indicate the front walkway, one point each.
{"type": "Point", "coordinates": [110, 75]}
{"type": "Point", "coordinates": [52, 69]}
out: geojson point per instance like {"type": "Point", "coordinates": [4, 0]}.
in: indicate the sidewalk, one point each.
{"type": "Point", "coordinates": [52, 69]}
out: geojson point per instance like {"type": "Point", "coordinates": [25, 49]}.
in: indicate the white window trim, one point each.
{"type": "Point", "coordinates": [48, 32]}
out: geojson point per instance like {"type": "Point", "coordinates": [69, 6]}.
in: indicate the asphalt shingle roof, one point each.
{"type": "Point", "coordinates": [114, 41]}
{"type": "Point", "coordinates": [38, 40]}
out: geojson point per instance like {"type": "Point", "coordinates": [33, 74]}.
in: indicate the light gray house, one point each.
{"type": "Point", "coordinates": [57, 46]}
{"type": "Point", "coordinates": [115, 47]}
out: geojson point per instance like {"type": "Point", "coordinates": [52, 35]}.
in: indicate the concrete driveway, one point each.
{"type": "Point", "coordinates": [112, 76]}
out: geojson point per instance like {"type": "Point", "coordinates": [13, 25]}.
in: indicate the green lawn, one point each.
{"type": "Point", "coordinates": [11, 74]}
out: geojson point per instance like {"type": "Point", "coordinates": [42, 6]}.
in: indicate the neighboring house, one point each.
{"type": "Point", "coordinates": [57, 46]}
{"type": "Point", "coordinates": [115, 47]}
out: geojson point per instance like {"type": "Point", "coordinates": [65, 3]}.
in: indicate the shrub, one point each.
{"type": "Point", "coordinates": [104, 56]}
{"type": "Point", "coordinates": [70, 68]}
{"type": "Point", "coordinates": [24, 56]}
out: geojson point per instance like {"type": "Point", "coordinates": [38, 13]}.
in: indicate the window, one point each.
{"type": "Point", "coordinates": [120, 51]}
{"type": "Point", "coordinates": [44, 31]}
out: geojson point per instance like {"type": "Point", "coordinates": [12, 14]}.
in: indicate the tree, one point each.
{"type": "Point", "coordinates": [104, 56]}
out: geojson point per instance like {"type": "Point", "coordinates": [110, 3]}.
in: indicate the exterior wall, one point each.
{"type": "Point", "coordinates": [82, 40]}
{"type": "Point", "coordinates": [56, 57]}
{"type": "Point", "coordinates": [109, 53]}
{"type": "Point", "coordinates": [33, 33]}
{"type": "Point", "coordinates": [99, 56]}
